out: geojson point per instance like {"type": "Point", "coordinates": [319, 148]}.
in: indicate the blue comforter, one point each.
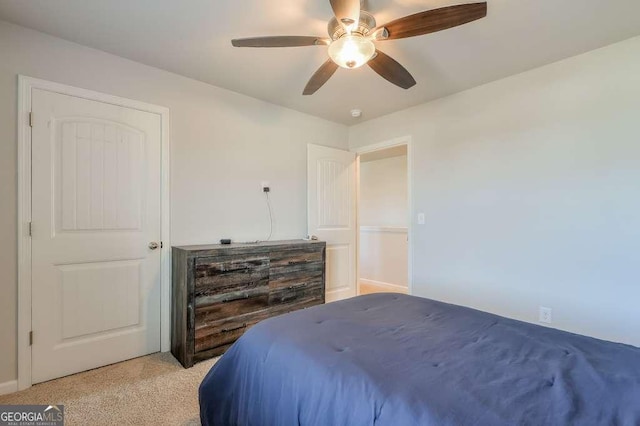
{"type": "Point", "coordinates": [390, 359]}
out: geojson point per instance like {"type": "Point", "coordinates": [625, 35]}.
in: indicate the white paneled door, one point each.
{"type": "Point", "coordinates": [331, 197]}
{"type": "Point", "coordinates": [96, 171]}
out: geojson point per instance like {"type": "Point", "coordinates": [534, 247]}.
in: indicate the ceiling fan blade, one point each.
{"type": "Point", "coordinates": [431, 21]}
{"type": "Point", "coordinates": [280, 41]}
{"type": "Point", "coordinates": [347, 11]}
{"type": "Point", "coordinates": [391, 70]}
{"type": "Point", "coordinates": [320, 77]}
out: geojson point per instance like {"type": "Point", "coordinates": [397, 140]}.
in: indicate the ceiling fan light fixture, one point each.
{"type": "Point", "coordinates": [351, 51]}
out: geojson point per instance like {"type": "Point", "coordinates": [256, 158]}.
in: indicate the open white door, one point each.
{"type": "Point", "coordinates": [331, 198]}
{"type": "Point", "coordinates": [96, 234]}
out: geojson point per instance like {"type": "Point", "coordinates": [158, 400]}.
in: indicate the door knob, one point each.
{"type": "Point", "coordinates": [153, 245]}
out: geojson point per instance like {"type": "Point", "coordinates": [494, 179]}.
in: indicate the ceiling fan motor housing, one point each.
{"type": "Point", "coordinates": [366, 23]}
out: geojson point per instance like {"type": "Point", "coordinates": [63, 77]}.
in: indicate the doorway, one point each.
{"type": "Point", "coordinates": [93, 192]}
{"type": "Point", "coordinates": [383, 176]}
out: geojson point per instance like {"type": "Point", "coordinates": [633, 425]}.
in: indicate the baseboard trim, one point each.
{"type": "Point", "coordinates": [8, 387]}
{"type": "Point", "coordinates": [390, 286]}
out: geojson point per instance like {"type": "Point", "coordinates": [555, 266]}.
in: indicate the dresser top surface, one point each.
{"type": "Point", "coordinates": [259, 244]}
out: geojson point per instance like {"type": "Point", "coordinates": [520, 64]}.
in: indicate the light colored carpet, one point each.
{"type": "Point", "coordinates": [367, 288]}
{"type": "Point", "coordinates": [152, 390]}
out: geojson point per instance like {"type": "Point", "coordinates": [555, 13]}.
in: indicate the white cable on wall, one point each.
{"type": "Point", "coordinates": [270, 217]}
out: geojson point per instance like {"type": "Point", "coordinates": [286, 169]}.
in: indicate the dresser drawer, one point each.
{"type": "Point", "coordinates": [222, 336]}
{"type": "Point", "coordinates": [224, 322]}
{"type": "Point", "coordinates": [221, 275]}
{"type": "Point", "coordinates": [231, 305]}
{"type": "Point", "coordinates": [222, 332]}
{"type": "Point", "coordinates": [297, 293]}
{"type": "Point", "coordinates": [296, 256]}
{"type": "Point", "coordinates": [285, 276]}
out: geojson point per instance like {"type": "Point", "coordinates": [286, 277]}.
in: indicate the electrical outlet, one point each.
{"type": "Point", "coordinates": [420, 218]}
{"type": "Point", "coordinates": [545, 315]}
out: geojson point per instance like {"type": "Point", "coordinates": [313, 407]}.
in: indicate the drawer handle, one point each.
{"type": "Point", "coordinates": [295, 287]}
{"type": "Point", "coordinates": [228, 330]}
{"type": "Point", "coordinates": [232, 299]}
{"type": "Point", "coordinates": [298, 262]}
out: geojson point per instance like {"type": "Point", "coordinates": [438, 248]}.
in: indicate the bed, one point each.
{"type": "Point", "coordinates": [392, 359]}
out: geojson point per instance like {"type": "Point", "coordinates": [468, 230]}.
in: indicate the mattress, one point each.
{"type": "Point", "coordinates": [391, 359]}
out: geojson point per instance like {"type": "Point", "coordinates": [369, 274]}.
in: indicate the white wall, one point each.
{"type": "Point", "coordinates": [383, 192]}
{"type": "Point", "coordinates": [384, 256]}
{"type": "Point", "coordinates": [531, 190]}
{"type": "Point", "coordinates": [383, 214]}
{"type": "Point", "coordinates": [223, 145]}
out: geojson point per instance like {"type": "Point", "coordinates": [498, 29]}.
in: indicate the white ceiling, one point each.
{"type": "Point", "coordinates": [192, 38]}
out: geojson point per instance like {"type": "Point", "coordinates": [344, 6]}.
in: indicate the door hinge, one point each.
{"type": "Point", "coordinates": [161, 244]}
{"type": "Point", "coordinates": [31, 338]}
{"type": "Point", "coordinates": [30, 119]}
{"type": "Point", "coordinates": [30, 229]}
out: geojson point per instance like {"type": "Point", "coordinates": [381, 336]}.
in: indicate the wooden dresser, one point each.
{"type": "Point", "coordinates": [220, 291]}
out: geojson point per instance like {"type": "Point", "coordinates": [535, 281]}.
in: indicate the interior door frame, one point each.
{"type": "Point", "coordinates": [391, 143]}
{"type": "Point", "coordinates": [26, 85]}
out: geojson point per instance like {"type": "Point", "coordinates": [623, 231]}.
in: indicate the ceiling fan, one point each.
{"type": "Point", "coordinates": [353, 34]}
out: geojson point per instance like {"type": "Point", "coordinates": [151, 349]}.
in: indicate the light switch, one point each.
{"type": "Point", "coordinates": [420, 218]}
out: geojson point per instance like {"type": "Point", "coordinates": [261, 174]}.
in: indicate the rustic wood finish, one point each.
{"type": "Point", "coordinates": [435, 20]}
{"type": "Point", "coordinates": [320, 77]}
{"type": "Point", "coordinates": [219, 292]}
{"type": "Point", "coordinates": [285, 277]}
{"type": "Point", "coordinates": [295, 256]}
{"type": "Point", "coordinates": [279, 41]}
{"type": "Point", "coordinates": [389, 69]}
